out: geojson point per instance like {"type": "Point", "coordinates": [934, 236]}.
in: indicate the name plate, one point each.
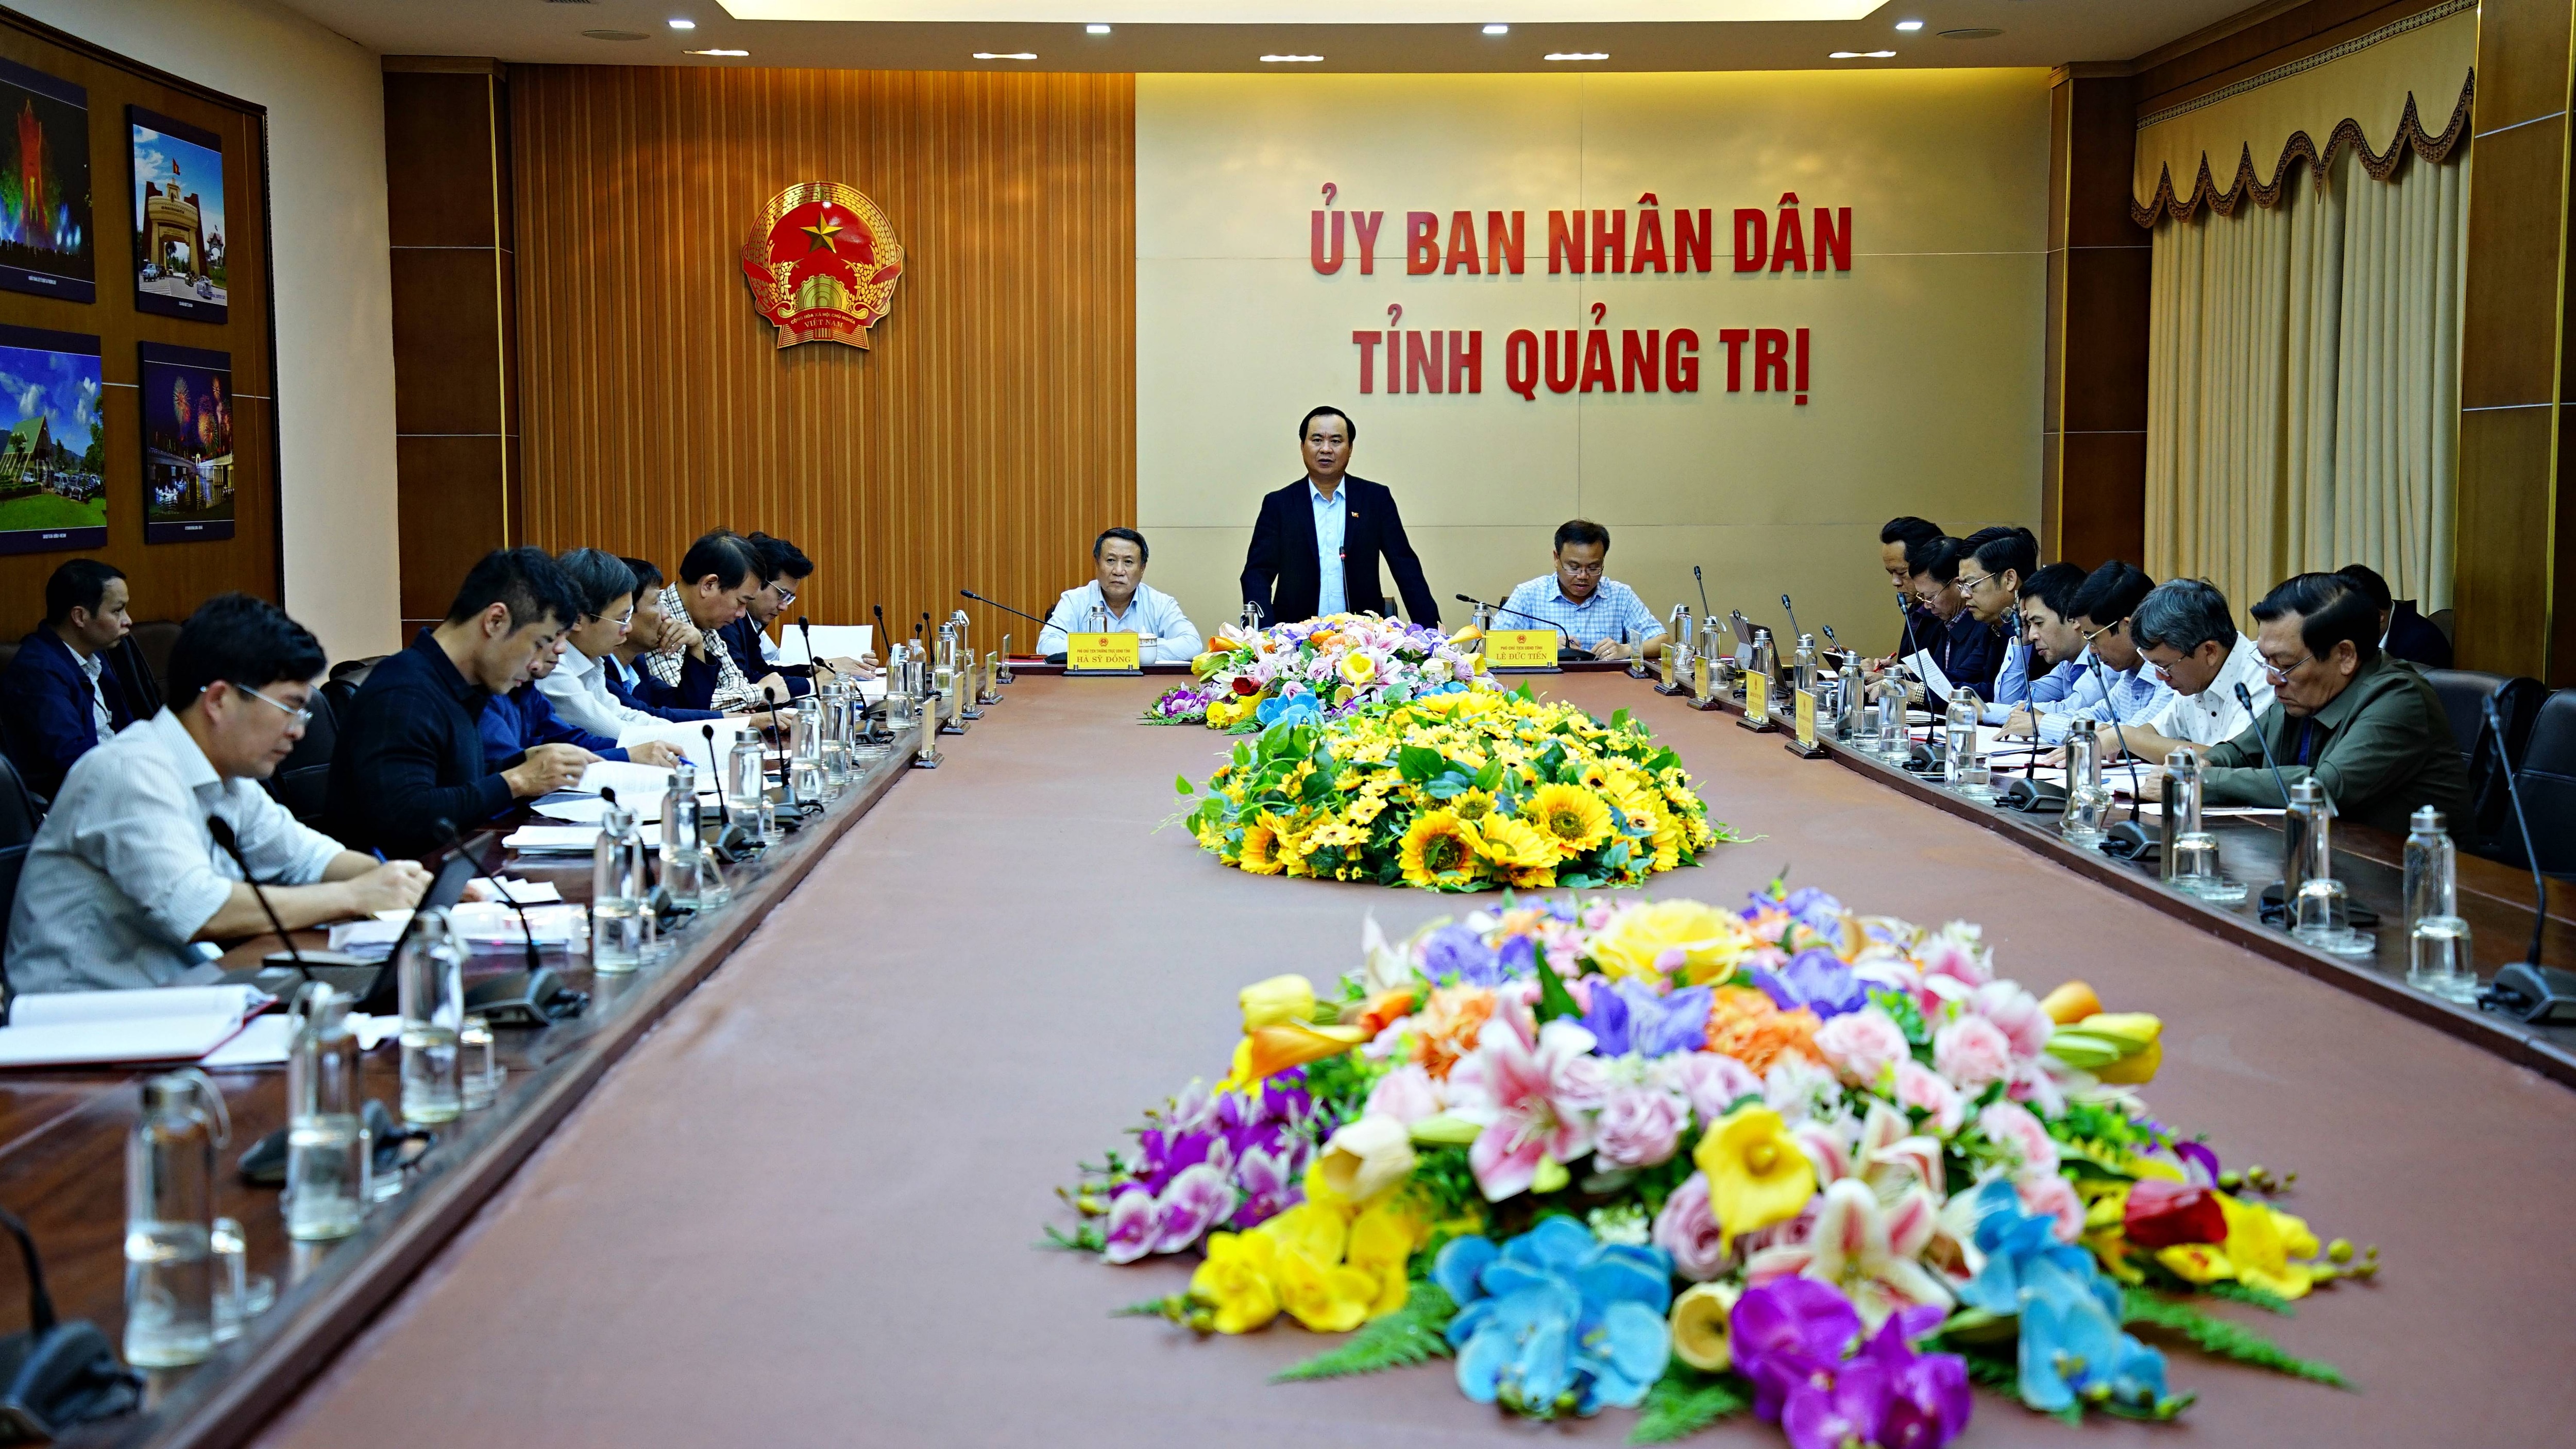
{"type": "Point", "coordinates": [1521, 649]}
{"type": "Point", "coordinates": [1757, 695]}
{"type": "Point", "coordinates": [1806, 719]}
{"type": "Point", "coordinates": [1699, 677]}
{"type": "Point", "coordinates": [1102, 654]}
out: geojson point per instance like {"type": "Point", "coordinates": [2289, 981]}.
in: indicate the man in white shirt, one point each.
{"type": "Point", "coordinates": [125, 886]}
{"type": "Point", "coordinates": [2188, 637]}
{"type": "Point", "coordinates": [1119, 593]}
{"type": "Point", "coordinates": [577, 687]}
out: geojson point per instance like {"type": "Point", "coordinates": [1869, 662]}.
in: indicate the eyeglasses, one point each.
{"type": "Point", "coordinates": [623, 619]}
{"type": "Point", "coordinates": [1581, 571]}
{"type": "Point", "coordinates": [300, 716]}
{"type": "Point", "coordinates": [1979, 581]}
{"type": "Point", "coordinates": [2282, 672]}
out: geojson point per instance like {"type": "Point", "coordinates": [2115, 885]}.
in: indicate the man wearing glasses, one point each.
{"type": "Point", "coordinates": [125, 885]}
{"type": "Point", "coordinates": [754, 652]}
{"type": "Point", "coordinates": [2364, 725]}
{"type": "Point", "coordinates": [1593, 615]}
{"type": "Point", "coordinates": [2190, 641]}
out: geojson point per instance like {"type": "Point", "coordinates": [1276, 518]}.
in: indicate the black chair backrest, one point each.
{"type": "Point", "coordinates": [303, 779]}
{"type": "Point", "coordinates": [346, 677]}
{"type": "Point", "coordinates": [19, 813]}
{"type": "Point", "coordinates": [2547, 780]}
{"type": "Point", "coordinates": [2464, 693]}
{"type": "Point", "coordinates": [154, 639]}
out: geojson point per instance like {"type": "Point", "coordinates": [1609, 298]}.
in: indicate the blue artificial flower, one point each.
{"type": "Point", "coordinates": [1818, 912]}
{"type": "Point", "coordinates": [1300, 708]}
{"type": "Point", "coordinates": [1629, 1016]}
{"type": "Point", "coordinates": [2071, 1344]}
{"type": "Point", "coordinates": [1461, 952]}
{"type": "Point", "coordinates": [1555, 1312]}
{"type": "Point", "coordinates": [1817, 979]}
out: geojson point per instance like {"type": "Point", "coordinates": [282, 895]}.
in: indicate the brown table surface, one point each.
{"type": "Point", "coordinates": [803, 1210]}
{"type": "Point", "coordinates": [62, 1142]}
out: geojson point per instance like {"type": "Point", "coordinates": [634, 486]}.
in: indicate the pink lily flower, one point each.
{"type": "Point", "coordinates": [1535, 1099]}
{"type": "Point", "coordinates": [1868, 1251]}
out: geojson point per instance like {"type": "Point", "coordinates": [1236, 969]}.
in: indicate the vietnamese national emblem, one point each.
{"type": "Point", "coordinates": [822, 262]}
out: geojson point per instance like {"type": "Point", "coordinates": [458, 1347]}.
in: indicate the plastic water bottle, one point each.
{"type": "Point", "coordinates": [2437, 943]}
{"type": "Point", "coordinates": [1963, 763]}
{"type": "Point", "coordinates": [2087, 798]}
{"type": "Point", "coordinates": [681, 840]}
{"type": "Point", "coordinates": [329, 1156]}
{"type": "Point", "coordinates": [170, 1221]}
{"type": "Point", "coordinates": [619, 884]}
{"type": "Point", "coordinates": [430, 972]}
{"type": "Point", "coordinates": [1895, 745]}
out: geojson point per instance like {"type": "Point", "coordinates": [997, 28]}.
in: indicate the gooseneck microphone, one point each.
{"type": "Point", "coordinates": [2245, 697]}
{"type": "Point", "coordinates": [812, 659]}
{"type": "Point", "coordinates": [2137, 793]}
{"type": "Point", "coordinates": [733, 839]}
{"type": "Point", "coordinates": [2539, 882]}
{"type": "Point", "coordinates": [222, 830]}
{"type": "Point", "coordinates": [1005, 608]}
{"type": "Point", "coordinates": [1503, 609]}
{"type": "Point", "coordinates": [1794, 630]}
{"type": "Point", "coordinates": [1906, 651]}
{"type": "Point", "coordinates": [1696, 578]}
{"type": "Point", "coordinates": [445, 829]}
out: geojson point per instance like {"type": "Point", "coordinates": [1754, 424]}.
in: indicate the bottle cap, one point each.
{"type": "Point", "coordinates": [2427, 818]}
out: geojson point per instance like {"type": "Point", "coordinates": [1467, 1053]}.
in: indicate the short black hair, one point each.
{"type": "Point", "coordinates": [1581, 530]}
{"type": "Point", "coordinates": [525, 581]}
{"type": "Point", "coordinates": [1998, 549]}
{"type": "Point", "coordinates": [2331, 610]}
{"type": "Point", "coordinates": [2183, 614]}
{"type": "Point", "coordinates": [2112, 593]}
{"type": "Point", "coordinates": [598, 576]}
{"type": "Point", "coordinates": [724, 554]}
{"type": "Point", "coordinates": [80, 583]}
{"type": "Point", "coordinates": [2056, 586]}
{"type": "Point", "coordinates": [648, 574]}
{"type": "Point", "coordinates": [249, 643]}
{"type": "Point", "coordinates": [1938, 557]}
{"type": "Point", "coordinates": [2375, 588]}
{"type": "Point", "coordinates": [1908, 530]}
{"type": "Point", "coordinates": [1350, 430]}
{"type": "Point", "coordinates": [781, 559]}
{"type": "Point", "coordinates": [1143, 553]}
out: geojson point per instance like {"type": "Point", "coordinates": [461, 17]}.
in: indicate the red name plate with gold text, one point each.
{"type": "Point", "coordinates": [1521, 649]}
{"type": "Point", "coordinates": [1101, 654]}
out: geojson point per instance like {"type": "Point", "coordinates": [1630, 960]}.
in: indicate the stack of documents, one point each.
{"type": "Point", "coordinates": [832, 641]}
{"type": "Point", "coordinates": [96, 1028]}
{"type": "Point", "coordinates": [552, 839]}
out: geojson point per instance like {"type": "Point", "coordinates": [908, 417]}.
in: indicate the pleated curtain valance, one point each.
{"type": "Point", "coordinates": [2405, 86]}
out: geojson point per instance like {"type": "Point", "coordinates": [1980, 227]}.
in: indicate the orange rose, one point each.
{"type": "Point", "coordinates": [1747, 1025]}
{"type": "Point", "coordinates": [1447, 1027]}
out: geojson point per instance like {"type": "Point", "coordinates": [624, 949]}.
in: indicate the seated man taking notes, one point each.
{"type": "Point", "coordinates": [411, 751]}
{"type": "Point", "coordinates": [2190, 640]}
{"type": "Point", "coordinates": [125, 884]}
{"type": "Point", "coordinates": [1601, 617]}
{"type": "Point", "coordinates": [1126, 606]}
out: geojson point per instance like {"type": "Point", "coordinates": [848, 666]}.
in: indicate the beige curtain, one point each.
{"type": "Point", "coordinates": [2303, 384]}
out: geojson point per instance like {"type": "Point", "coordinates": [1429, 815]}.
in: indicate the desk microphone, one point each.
{"type": "Point", "coordinates": [2245, 697]}
{"type": "Point", "coordinates": [2539, 882]}
{"type": "Point", "coordinates": [445, 829]}
{"type": "Point", "coordinates": [881, 633]}
{"type": "Point", "coordinates": [812, 659]}
{"type": "Point", "coordinates": [1794, 630]}
{"type": "Point", "coordinates": [1503, 609]}
{"type": "Point", "coordinates": [222, 830]}
{"type": "Point", "coordinates": [1704, 609]}
{"type": "Point", "coordinates": [1005, 608]}
{"type": "Point", "coordinates": [1906, 650]}
{"type": "Point", "coordinates": [2137, 792]}
{"type": "Point", "coordinates": [730, 838]}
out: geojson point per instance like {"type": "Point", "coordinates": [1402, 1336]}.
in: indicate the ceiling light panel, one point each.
{"type": "Point", "coordinates": [1303, 12]}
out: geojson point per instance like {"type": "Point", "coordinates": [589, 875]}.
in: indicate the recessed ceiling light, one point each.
{"type": "Point", "coordinates": [1006, 55]}
{"type": "Point", "coordinates": [1498, 30]}
{"type": "Point", "coordinates": [1578, 55]}
{"type": "Point", "coordinates": [684, 25]}
{"type": "Point", "coordinates": [1095, 30]}
{"type": "Point", "coordinates": [615, 35]}
{"type": "Point", "coordinates": [719, 52]}
{"type": "Point", "coordinates": [1909, 25]}
{"type": "Point", "coordinates": [1861, 55]}
{"type": "Point", "coordinates": [1288, 59]}
{"type": "Point", "coordinates": [1973, 32]}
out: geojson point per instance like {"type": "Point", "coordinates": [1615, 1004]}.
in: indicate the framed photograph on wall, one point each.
{"type": "Point", "coordinates": [53, 452]}
{"type": "Point", "coordinates": [187, 444]}
{"type": "Point", "coordinates": [46, 246]}
{"type": "Point", "coordinates": [179, 238]}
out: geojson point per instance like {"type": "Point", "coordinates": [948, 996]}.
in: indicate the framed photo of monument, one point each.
{"type": "Point", "coordinates": [187, 444]}
{"type": "Point", "coordinates": [179, 237]}
{"type": "Point", "coordinates": [46, 245]}
{"type": "Point", "coordinates": [53, 448]}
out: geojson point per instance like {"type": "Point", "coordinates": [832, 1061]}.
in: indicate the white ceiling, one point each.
{"type": "Point", "coordinates": [2034, 33]}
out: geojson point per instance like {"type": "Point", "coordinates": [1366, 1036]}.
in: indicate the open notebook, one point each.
{"type": "Point", "coordinates": [97, 1028]}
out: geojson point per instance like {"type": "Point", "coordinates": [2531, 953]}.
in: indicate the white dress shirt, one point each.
{"type": "Point", "coordinates": [578, 690]}
{"type": "Point", "coordinates": [101, 716]}
{"type": "Point", "coordinates": [1151, 611]}
{"type": "Point", "coordinates": [2213, 717]}
{"type": "Point", "coordinates": [123, 872]}
{"type": "Point", "coordinates": [1332, 524]}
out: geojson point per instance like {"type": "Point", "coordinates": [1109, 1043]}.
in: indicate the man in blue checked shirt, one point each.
{"type": "Point", "coordinates": [1601, 617]}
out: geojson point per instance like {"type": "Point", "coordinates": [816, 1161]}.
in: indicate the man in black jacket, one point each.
{"type": "Point", "coordinates": [1316, 548]}
{"type": "Point", "coordinates": [78, 678]}
{"type": "Point", "coordinates": [2402, 631]}
{"type": "Point", "coordinates": [410, 754]}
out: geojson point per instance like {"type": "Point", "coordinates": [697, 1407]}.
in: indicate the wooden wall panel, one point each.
{"type": "Point", "coordinates": [983, 440]}
{"type": "Point", "coordinates": [167, 580]}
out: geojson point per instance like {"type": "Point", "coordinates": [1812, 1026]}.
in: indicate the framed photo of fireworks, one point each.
{"type": "Point", "coordinates": [53, 452]}
{"type": "Point", "coordinates": [46, 246]}
{"type": "Point", "coordinates": [187, 444]}
{"type": "Point", "coordinates": [179, 248]}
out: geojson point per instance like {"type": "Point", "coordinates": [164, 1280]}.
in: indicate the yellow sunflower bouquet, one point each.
{"type": "Point", "coordinates": [1457, 792]}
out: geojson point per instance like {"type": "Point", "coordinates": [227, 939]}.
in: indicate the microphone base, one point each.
{"type": "Point", "coordinates": [2530, 992]}
{"type": "Point", "coordinates": [1760, 726]}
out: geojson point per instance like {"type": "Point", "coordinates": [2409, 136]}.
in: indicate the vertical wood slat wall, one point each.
{"type": "Point", "coordinates": [984, 438]}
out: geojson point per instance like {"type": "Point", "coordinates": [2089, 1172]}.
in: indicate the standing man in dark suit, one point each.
{"type": "Point", "coordinates": [1315, 550]}
{"type": "Point", "coordinates": [77, 679]}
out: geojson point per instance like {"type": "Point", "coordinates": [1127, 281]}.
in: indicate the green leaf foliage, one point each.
{"type": "Point", "coordinates": [2226, 1340]}
{"type": "Point", "coordinates": [1685, 1401]}
{"type": "Point", "coordinates": [1407, 1336]}
{"type": "Point", "coordinates": [2242, 1293]}
{"type": "Point", "coordinates": [1553, 999]}
{"type": "Point", "coordinates": [1182, 784]}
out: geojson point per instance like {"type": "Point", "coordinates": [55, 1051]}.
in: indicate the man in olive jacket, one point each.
{"type": "Point", "coordinates": [2362, 724]}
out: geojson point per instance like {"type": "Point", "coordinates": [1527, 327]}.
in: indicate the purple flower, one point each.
{"type": "Point", "coordinates": [1629, 1016]}
{"type": "Point", "coordinates": [2197, 1156]}
{"type": "Point", "coordinates": [1460, 952]}
{"type": "Point", "coordinates": [1817, 979]}
{"type": "Point", "coordinates": [1831, 1410]}
{"type": "Point", "coordinates": [1131, 1231]}
{"type": "Point", "coordinates": [1166, 1155]}
{"type": "Point", "coordinates": [1786, 1333]}
{"type": "Point", "coordinates": [1270, 1186]}
{"type": "Point", "coordinates": [1196, 1201]}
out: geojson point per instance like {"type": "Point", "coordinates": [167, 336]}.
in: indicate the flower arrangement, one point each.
{"type": "Point", "coordinates": [1460, 792]}
{"type": "Point", "coordinates": [1187, 705]}
{"type": "Point", "coordinates": [1825, 1168]}
{"type": "Point", "coordinates": [1326, 668]}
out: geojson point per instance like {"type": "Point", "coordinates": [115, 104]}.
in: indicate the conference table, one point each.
{"type": "Point", "coordinates": [791, 1187]}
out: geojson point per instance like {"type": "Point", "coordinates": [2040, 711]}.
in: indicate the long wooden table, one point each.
{"type": "Point", "coordinates": [803, 1211]}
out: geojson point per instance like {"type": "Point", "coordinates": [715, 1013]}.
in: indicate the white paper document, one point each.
{"type": "Point", "coordinates": [86, 1028]}
{"type": "Point", "coordinates": [551, 839]}
{"type": "Point", "coordinates": [832, 641]}
{"type": "Point", "coordinates": [1936, 683]}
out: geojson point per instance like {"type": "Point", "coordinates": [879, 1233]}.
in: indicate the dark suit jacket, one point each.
{"type": "Point", "coordinates": [410, 754]}
{"type": "Point", "coordinates": [1283, 576]}
{"type": "Point", "coordinates": [2414, 638]}
{"type": "Point", "coordinates": [46, 718]}
{"type": "Point", "coordinates": [742, 639]}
